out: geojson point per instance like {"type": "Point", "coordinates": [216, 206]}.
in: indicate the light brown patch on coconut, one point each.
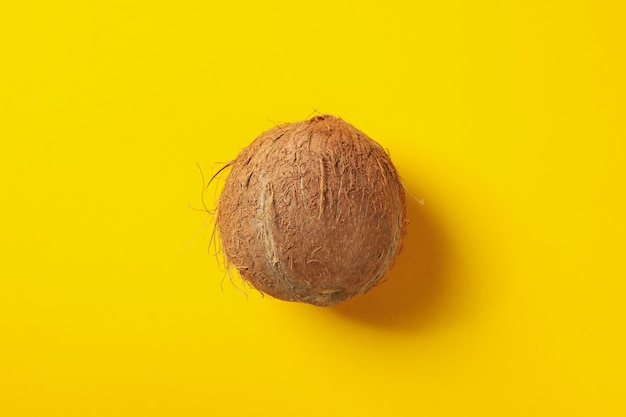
{"type": "Point", "coordinates": [312, 211]}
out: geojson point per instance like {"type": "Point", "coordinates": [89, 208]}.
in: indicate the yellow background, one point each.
{"type": "Point", "coordinates": [507, 118]}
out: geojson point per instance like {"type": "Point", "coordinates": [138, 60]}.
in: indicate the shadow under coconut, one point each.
{"type": "Point", "coordinates": [413, 292]}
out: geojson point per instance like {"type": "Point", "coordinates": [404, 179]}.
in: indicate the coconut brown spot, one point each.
{"type": "Point", "coordinates": [315, 210]}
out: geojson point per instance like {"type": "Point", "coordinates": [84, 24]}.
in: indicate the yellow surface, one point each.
{"type": "Point", "coordinates": [507, 118]}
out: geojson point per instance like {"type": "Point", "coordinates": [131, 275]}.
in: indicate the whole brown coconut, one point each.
{"type": "Point", "coordinates": [312, 211]}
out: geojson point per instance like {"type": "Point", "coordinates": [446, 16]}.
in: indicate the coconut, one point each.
{"type": "Point", "coordinates": [312, 211]}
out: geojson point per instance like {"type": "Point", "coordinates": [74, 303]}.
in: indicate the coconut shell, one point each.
{"type": "Point", "coordinates": [312, 211]}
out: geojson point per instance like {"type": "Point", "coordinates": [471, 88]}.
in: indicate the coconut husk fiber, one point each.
{"type": "Point", "coordinates": [312, 211]}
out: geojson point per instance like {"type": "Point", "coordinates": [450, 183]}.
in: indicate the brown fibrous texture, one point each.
{"type": "Point", "coordinates": [312, 211]}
